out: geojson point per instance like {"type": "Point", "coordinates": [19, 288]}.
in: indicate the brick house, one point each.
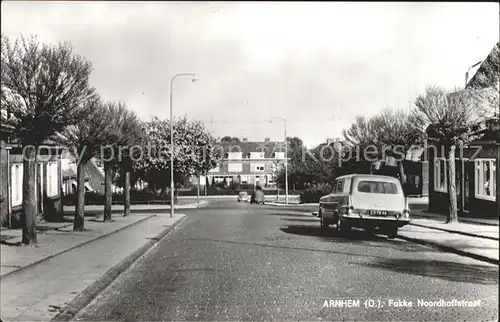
{"type": "Point", "coordinates": [476, 165]}
{"type": "Point", "coordinates": [248, 163]}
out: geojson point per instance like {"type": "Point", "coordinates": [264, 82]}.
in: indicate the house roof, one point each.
{"type": "Point", "coordinates": [268, 147]}
{"type": "Point", "coordinates": [488, 73]}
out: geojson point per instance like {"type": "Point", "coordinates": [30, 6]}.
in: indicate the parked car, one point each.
{"type": "Point", "coordinates": [258, 197]}
{"type": "Point", "coordinates": [365, 201]}
{"type": "Point", "coordinates": [243, 196]}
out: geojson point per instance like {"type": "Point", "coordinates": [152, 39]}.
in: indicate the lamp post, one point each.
{"type": "Point", "coordinates": [172, 141]}
{"type": "Point", "coordinates": [286, 159]}
{"type": "Point", "coordinates": [468, 70]}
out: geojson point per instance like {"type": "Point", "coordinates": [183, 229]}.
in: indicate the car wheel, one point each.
{"type": "Point", "coordinates": [392, 232]}
{"type": "Point", "coordinates": [343, 227]}
{"type": "Point", "coordinates": [324, 223]}
{"type": "Point", "coordinates": [338, 223]}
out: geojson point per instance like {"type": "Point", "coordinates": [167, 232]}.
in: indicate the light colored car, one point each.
{"type": "Point", "coordinates": [243, 196]}
{"type": "Point", "coordinates": [365, 201]}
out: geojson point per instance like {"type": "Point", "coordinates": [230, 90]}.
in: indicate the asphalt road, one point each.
{"type": "Point", "coordinates": [231, 261]}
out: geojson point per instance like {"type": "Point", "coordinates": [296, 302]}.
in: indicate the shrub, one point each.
{"type": "Point", "coordinates": [312, 194]}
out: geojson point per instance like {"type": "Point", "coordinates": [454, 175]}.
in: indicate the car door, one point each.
{"type": "Point", "coordinates": [330, 203]}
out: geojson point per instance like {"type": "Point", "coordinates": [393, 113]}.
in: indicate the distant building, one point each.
{"type": "Point", "coordinates": [248, 163]}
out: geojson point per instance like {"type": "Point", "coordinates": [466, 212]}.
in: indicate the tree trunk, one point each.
{"type": "Point", "coordinates": [126, 191]}
{"type": "Point", "coordinates": [78, 221]}
{"type": "Point", "coordinates": [108, 193]}
{"type": "Point", "coordinates": [29, 208]}
{"type": "Point", "coordinates": [452, 188]}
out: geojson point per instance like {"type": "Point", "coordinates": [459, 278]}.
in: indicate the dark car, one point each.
{"type": "Point", "coordinates": [258, 197]}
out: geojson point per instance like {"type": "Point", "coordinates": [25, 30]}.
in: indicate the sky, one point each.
{"type": "Point", "coordinates": [317, 65]}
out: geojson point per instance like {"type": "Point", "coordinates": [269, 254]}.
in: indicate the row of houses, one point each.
{"type": "Point", "coordinates": [55, 177]}
{"type": "Point", "coordinates": [248, 163]}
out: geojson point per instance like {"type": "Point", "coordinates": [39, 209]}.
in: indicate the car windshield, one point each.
{"type": "Point", "coordinates": [243, 193]}
{"type": "Point", "coordinates": [377, 187]}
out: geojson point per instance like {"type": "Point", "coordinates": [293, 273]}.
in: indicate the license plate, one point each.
{"type": "Point", "coordinates": [377, 212]}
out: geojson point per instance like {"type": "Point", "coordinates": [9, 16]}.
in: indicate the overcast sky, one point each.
{"type": "Point", "coordinates": [316, 64]}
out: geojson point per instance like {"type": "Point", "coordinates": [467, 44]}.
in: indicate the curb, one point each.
{"type": "Point", "coordinates": [456, 232]}
{"type": "Point", "coordinates": [451, 250]}
{"type": "Point", "coordinates": [289, 205]}
{"type": "Point", "coordinates": [461, 220]}
{"type": "Point", "coordinates": [139, 210]}
{"type": "Point", "coordinates": [74, 247]}
{"type": "Point", "coordinates": [88, 294]}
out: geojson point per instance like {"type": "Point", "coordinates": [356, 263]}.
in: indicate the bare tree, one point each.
{"type": "Point", "coordinates": [122, 132]}
{"type": "Point", "coordinates": [44, 88]}
{"type": "Point", "coordinates": [450, 119]}
{"type": "Point", "coordinates": [84, 140]}
{"type": "Point", "coordinates": [394, 134]}
{"type": "Point", "coordinates": [132, 140]}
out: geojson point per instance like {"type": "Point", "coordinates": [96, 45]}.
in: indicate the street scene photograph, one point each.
{"type": "Point", "coordinates": [249, 161]}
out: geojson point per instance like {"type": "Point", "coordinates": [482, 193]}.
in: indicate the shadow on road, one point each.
{"type": "Point", "coordinates": [451, 271]}
{"type": "Point", "coordinates": [354, 236]}
{"type": "Point", "coordinates": [302, 220]}
{"type": "Point", "coordinates": [290, 214]}
{"type": "Point", "coordinates": [281, 247]}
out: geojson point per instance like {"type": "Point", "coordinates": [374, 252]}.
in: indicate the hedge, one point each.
{"type": "Point", "coordinates": [312, 195]}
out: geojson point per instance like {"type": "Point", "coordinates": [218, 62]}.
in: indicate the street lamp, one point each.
{"type": "Point", "coordinates": [194, 79]}
{"type": "Point", "coordinates": [468, 70]}
{"type": "Point", "coordinates": [286, 158]}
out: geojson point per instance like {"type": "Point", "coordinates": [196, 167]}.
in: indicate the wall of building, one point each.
{"type": "Point", "coordinates": [477, 207]}
{"type": "Point", "coordinates": [4, 185]}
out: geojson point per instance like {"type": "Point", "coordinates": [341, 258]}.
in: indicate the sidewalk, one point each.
{"type": "Point", "coordinates": [423, 213]}
{"type": "Point", "coordinates": [475, 247]}
{"type": "Point", "coordinates": [467, 229]}
{"type": "Point", "coordinates": [56, 240]}
{"type": "Point", "coordinates": [72, 267]}
{"type": "Point", "coordinates": [138, 207]}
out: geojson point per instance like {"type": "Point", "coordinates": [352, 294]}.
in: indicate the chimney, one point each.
{"type": "Point", "coordinates": [244, 140]}
{"type": "Point", "coordinates": [267, 139]}
{"type": "Point", "coordinates": [329, 141]}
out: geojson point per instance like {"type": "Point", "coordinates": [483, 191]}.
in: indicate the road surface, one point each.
{"type": "Point", "coordinates": [235, 261]}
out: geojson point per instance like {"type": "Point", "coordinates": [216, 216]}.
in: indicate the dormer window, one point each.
{"type": "Point", "coordinates": [279, 155]}
{"type": "Point", "coordinates": [234, 155]}
{"type": "Point", "coordinates": [256, 155]}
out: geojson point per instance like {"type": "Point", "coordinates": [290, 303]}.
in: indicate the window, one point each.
{"type": "Point", "coordinates": [257, 167]}
{"type": "Point", "coordinates": [52, 179]}
{"type": "Point", "coordinates": [17, 184]}
{"type": "Point", "coordinates": [256, 155]}
{"type": "Point", "coordinates": [440, 175]}
{"type": "Point", "coordinates": [338, 186]}
{"type": "Point", "coordinates": [378, 187]}
{"type": "Point", "coordinates": [485, 179]}
{"type": "Point", "coordinates": [279, 155]}
{"type": "Point", "coordinates": [244, 179]}
{"type": "Point", "coordinates": [235, 167]}
{"type": "Point", "coordinates": [234, 155]}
